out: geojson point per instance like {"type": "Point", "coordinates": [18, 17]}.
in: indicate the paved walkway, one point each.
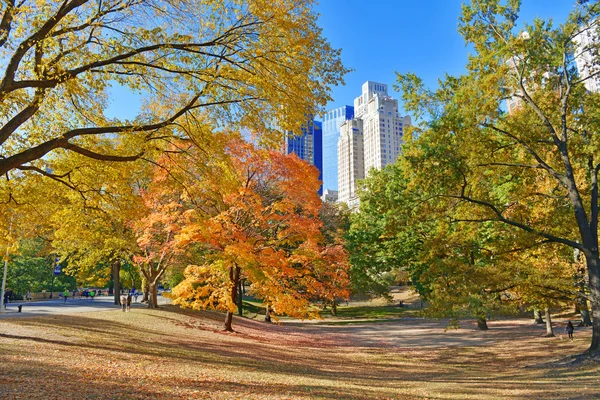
{"type": "Point", "coordinates": [71, 306]}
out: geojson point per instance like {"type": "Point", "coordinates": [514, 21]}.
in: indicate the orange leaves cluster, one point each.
{"type": "Point", "coordinates": [267, 225]}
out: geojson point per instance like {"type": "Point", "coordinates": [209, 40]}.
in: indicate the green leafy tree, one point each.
{"type": "Point", "coordinates": [384, 235]}
{"type": "Point", "coordinates": [534, 169]}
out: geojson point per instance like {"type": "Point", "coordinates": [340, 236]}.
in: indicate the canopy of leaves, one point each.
{"type": "Point", "coordinates": [255, 64]}
{"type": "Point", "coordinates": [260, 213]}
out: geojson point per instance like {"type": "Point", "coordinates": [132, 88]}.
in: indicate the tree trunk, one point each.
{"type": "Point", "coordinates": [240, 299]}
{"type": "Point", "coordinates": [234, 280]}
{"type": "Point", "coordinates": [537, 317]}
{"type": "Point", "coordinates": [334, 308]}
{"type": "Point", "coordinates": [582, 308]}
{"type": "Point", "coordinates": [153, 295]}
{"type": "Point", "coordinates": [116, 271]}
{"type": "Point", "coordinates": [549, 331]}
{"type": "Point", "coordinates": [585, 318]}
{"type": "Point", "coordinates": [594, 287]}
{"type": "Point", "coordinates": [581, 304]}
{"type": "Point", "coordinates": [482, 324]}
{"type": "Point", "coordinates": [228, 320]}
{"type": "Point", "coordinates": [593, 266]}
{"type": "Point", "coordinates": [146, 287]}
{"type": "Point", "coordinates": [268, 313]}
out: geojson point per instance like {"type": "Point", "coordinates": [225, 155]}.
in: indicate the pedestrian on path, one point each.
{"type": "Point", "coordinates": [123, 302]}
{"type": "Point", "coordinates": [569, 329]}
{"type": "Point", "coordinates": [66, 295]}
{"type": "Point", "coordinates": [28, 296]}
{"type": "Point", "coordinates": [129, 302]}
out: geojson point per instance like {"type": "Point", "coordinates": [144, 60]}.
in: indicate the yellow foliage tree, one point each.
{"type": "Point", "coordinates": [248, 63]}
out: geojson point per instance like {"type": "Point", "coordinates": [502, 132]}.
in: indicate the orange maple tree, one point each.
{"type": "Point", "coordinates": [263, 226]}
{"type": "Point", "coordinates": [156, 231]}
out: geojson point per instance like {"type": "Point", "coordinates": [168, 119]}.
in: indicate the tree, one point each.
{"type": "Point", "coordinates": [535, 169]}
{"type": "Point", "coordinates": [260, 220]}
{"type": "Point", "coordinates": [387, 233]}
{"type": "Point", "coordinates": [156, 235]}
{"type": "Point", "coordinates": [31, 268]}
{"type": "Point", "coordinates": [90, 216]}
{"type": "Point", "coordinates": [245, 62]}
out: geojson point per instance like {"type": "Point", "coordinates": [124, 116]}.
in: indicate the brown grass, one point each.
{"type": "Point", "coordinates": [175, 354]}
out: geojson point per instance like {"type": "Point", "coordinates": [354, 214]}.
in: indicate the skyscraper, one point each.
{"type": "Point", "coordinates": [351, 166]}
{"type": "Point", "coordinates": [586, 56]}
{"type": "Point", "coordinates": [382, 124]}
{"type": "Point", "coordinates": [372, 140]}
{"type": "Point", "coordinates": [308, 146]}
{"type": "Point", "coordinates": [331, 133]}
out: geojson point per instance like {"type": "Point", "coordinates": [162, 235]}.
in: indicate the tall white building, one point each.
{"type": "Point", "coordinates": [587, 60]}
{"type": "Point", "coordinates": [586, 56]}
{"type": "Point", "coordinates": [332, 121]}
{"type": "Point", "coordinates": [351, 165]}
{"type": "Point", "coordinates": [514, 102]}
{"type": "Point", "coordinates": [377, 137]}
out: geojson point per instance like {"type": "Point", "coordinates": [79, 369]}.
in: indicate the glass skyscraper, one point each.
{"type": "Point", "coordinates": [308, 146]}
{"type": "Point", "coordinates": [332, 121]}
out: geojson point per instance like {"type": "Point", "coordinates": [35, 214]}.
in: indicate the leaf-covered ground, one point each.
{"type": "Point", "coordinates": [173, 354]}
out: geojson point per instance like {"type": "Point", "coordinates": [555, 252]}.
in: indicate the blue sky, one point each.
{"type": "Point", "coordinates": [379, 37]}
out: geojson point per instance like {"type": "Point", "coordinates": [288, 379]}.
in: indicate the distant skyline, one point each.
{"type": "Point", "coordinates": [381, 37]}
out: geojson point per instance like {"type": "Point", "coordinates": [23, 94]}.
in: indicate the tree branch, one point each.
{"type": "Point", "coordinates": [562, 179]}
{"type": "Point", "coordinates": [6, 23]}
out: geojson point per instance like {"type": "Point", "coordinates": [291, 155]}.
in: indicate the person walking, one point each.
{"type": "Point", "coordinates": [123, 302]}
{"type": "Point", "coordinates": [66, 295]}
{"type": "Point", "coordinates": [28, 296]}
{"type": "Point", "coordinates": [569, 329]}
{"type": "Point", "coordinates": [128, 302]}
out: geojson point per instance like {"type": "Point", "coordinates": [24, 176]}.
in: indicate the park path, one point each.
{"type": "Point", "coordinates": [71, 306]}
{"type": "Point", "coordinates": [421, 332]}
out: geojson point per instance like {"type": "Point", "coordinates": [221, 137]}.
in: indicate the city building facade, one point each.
{"type": "Point", "coordinates": [586, 56]}
{"type": "Point", "coordinates": [308, 146]}
{"type": "Point", "coordinates": [330, 196]}
{"type": "Point", "coordinates": [351, 166]}
{"type": "Point", "coordinates": [332, 121]}
{"type": "Point", "coordinates": [371, 140]}
{"type": "Point", "coordinates": [587, 61]}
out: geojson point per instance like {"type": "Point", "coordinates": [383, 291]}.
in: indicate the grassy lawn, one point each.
{"type": "Point", "coordinates": [172, 354]}
{"type": "Point", "coordinates": [376, 309]}
{"type": "Point", "coordinates": [361, 312]}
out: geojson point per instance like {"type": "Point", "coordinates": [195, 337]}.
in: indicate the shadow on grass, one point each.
{"type": "Point", "coordinates": [262, 356]}
{"type": "Point", "coordinates": [345, 368]}
{"type": "Point", "coordinates": [71, 384]}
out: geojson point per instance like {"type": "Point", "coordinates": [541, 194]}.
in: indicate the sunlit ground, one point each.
{"type": "Point", "coordinates": [168, 353]}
